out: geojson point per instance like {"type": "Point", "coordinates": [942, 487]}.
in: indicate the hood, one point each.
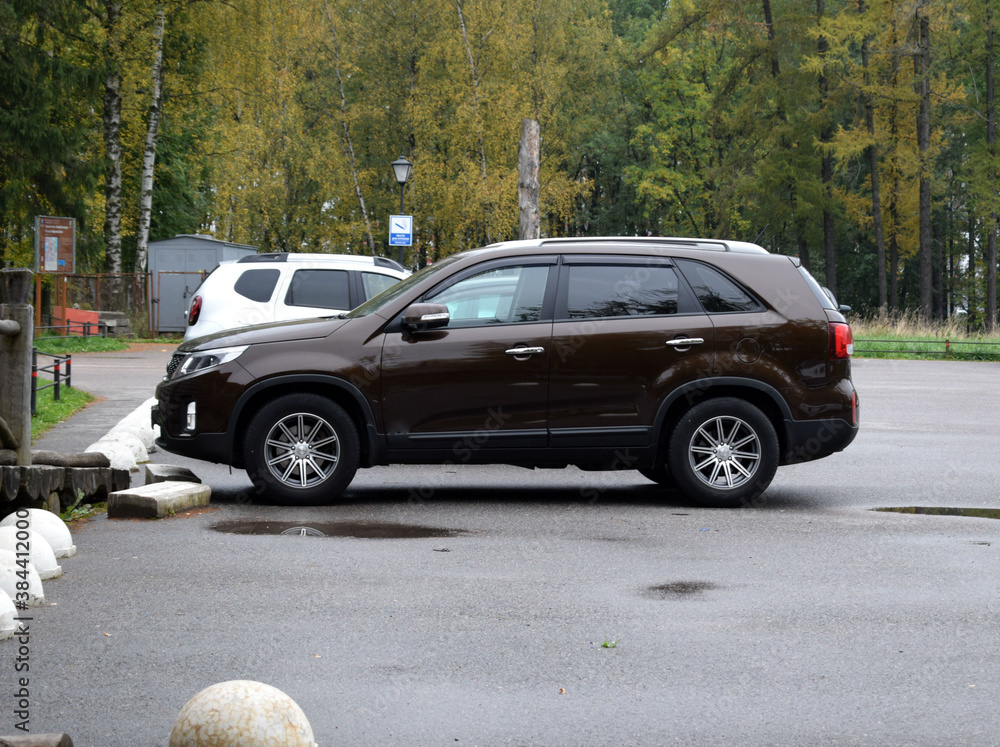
{"type": "Point", "coordinates": [301, 329]}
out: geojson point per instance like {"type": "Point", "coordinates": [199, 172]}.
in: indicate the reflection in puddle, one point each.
{"type": "Point", "coordinates": [978, 513]}
{"type": "Point", "coordinates": [357, 529]}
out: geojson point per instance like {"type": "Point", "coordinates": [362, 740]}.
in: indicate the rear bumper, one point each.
{"type": "Point", "coordinates": [815, 439]}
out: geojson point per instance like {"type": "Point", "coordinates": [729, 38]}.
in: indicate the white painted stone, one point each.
{"type": "Point", "coordinates": [134, 443]}
{"type": "Point", "coordinates": [51, 527]}
{"type": "Point", "coordinates": [7, 614]}
{"type": "Point", "coordinates": [157, 500]}
{"type": "Point", "coordinates": [137, 423]}
{"type": "Point", "coordinates": [120, 456]}
{"type": "Point", "coordinates": [39, 551]}
{"type": "Point", "coordinates": [244, 713]}
{"type": "Point", "coordinates": [9, 577]}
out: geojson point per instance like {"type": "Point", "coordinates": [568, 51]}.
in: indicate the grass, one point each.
{"type": "Point", "coordinates": [59, 345]}
{"type": "Point", "coordinates": [905, 336]}
{"type": "Point", "coordinates": [48, 412]}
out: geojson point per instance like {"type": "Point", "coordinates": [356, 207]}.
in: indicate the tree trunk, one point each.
{"type": "Point", "coordinates": [112, 140]}
{"type": "Point", "coordinates": [991, 141]}
{"type": "Point", "coordinates": [921, 64]}
{"type": "Point", "coordinates": [871, 152]}
{"type": "Point", "coordinates": [348, 144]}
{"type": "Point", "coordinates": [149, 154]}
{"type": "Point", "coordinates": [829, 245]}
{"type": "Point", "coordinates": [528, 162]}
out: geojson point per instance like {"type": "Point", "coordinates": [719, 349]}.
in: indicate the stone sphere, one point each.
{"type": "Point", "coordinates": [9, 577]}
{"type": "Point", "coordinates": [41, 555]}
{"type": "Point", "coordinates": [51, 527]}
{"type": "Point", "coordinates": [244, 713]}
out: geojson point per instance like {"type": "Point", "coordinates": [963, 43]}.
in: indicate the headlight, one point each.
{"type": "Point", "coordinates": [206, 359]}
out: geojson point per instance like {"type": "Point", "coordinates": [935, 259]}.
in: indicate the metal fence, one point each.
{"type": "Point", "coordinates": [58, 375]}
{"type": "Point", "coordinates": [944, 347]}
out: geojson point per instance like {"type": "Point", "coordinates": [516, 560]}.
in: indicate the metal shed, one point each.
{"type": "Point", "coordinates": [176, 268]}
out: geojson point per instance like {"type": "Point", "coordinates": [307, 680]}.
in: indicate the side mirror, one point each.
{"type": "Point", "coordinates": [421, 316]}
{"type": "Point", "coordinates": [844, 308]}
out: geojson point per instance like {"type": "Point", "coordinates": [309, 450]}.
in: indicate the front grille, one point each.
{"type": "Point", "coordinates": [175, 361]}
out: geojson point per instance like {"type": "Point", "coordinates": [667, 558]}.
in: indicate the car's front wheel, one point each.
{"type": "Point", "coordinates": [301, 449]}
{"type": "Point", "coordinates": [724, 453]}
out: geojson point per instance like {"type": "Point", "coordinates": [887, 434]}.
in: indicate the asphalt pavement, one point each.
{"type": "Point", "coordinates": [809, 620]}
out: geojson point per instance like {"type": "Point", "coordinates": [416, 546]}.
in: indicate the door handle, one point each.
{"type": "Point", "coordinates": [524, 351]}
{"type": "Point", "coordinates": [685, 342]}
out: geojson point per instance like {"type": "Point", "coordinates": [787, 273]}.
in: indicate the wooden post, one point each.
{"type": "Point", "coordinates": [528, 161]}
{"type": "Point", "coordinates": [15, 359]}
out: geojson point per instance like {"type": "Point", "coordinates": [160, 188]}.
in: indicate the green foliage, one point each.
{"type": "Point", "coordinates": [80, 510]}
{"type": "Point", "coordinates": [60, 345]}
{"type": "Point", "coordinates": [684, 117]}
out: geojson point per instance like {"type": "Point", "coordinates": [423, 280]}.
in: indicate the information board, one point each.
{"type": "Point", "coordinates": [55, 244]}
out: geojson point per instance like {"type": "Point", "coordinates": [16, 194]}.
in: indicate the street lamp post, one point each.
{"type": "Point", "coordinates": [402, 169]}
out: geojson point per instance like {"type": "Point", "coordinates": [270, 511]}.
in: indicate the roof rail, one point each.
{"type": "Point", "coordinates": [715, 245]}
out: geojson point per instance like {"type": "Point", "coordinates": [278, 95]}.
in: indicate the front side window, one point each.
{"type": "Point", "coordinates": [609, 290]}
{"type": "Point", "coordinates": [325, 289]}
{"type": "Point", "coordinates": [506, 295]}
{"type": "Point", "coordinates": [257, 285]}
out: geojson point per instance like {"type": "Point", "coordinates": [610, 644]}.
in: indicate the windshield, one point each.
{"type": "Point", "coordinates": [387, 296]}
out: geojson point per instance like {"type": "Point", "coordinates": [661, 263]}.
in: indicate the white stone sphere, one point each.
{"type": "Point", "coordinates": [119, 455]}
{"type": "Point", "coordinates": [51, 527]}
{"type": "Point", "coordinates": [244, 713]}
{"type": "Point", "coordinates": [7, 614]}
{"type": "Point", "coordinates": [9, 578]}
{"type": "Point", "coordinates": [40, 551]}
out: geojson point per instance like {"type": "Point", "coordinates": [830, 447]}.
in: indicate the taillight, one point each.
{"type": "Point", "coordinates": [195, 311]}
{"type": "Point", "coordinates": [841, 341]}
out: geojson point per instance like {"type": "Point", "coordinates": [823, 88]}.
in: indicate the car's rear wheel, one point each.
{"type": "Point", "coordinates": [301, 449]}
{"type": "Point", "coordinates": [724, 453]}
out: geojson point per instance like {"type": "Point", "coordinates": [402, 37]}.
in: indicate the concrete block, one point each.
{"type": "Point", "coordinates": [157, 500]}
{"type": "Point", "coordinates": [169, 472]}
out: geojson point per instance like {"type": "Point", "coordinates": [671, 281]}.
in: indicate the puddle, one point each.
{"type": "Point", "coordinates": [977, 513]}
{"type": "Point", "coordinates": [679, 589]}
{"type": "Point", "coordinates": [356, 529]}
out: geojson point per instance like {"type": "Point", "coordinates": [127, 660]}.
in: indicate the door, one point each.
{"type": "Point", "coordinates": [481, 382]}
{"type": "Point", "coordinates": [627, 332]}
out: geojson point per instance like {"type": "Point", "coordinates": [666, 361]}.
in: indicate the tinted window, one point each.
{"type": "Point", "coordinates": [257, 285]}
{"type": "Point", "coordinates": [620, 290]}
{"type": "Point", "coordinates": [326, 289]}
{"type": "Point", "coordinates": [501, 296]}
{"type": "Point", "coordinates": [717, 292]}
{"type": "Point", "coordinates": [375, 283]}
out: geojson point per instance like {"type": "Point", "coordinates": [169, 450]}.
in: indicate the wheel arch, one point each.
{"type": "Point", "coordinates": [337, 390]}
{"type": "Point", "coordinates": [763, 396]}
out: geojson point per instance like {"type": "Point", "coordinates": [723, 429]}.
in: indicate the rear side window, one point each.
{"type": "Point", "coordinates": [325, 289]}
{"type": "Point", "coordinates": [374, 283]}
{"type": "Point", "coordinates": [620, 290]}
{"type": "Point", "coordinates": [717, 293]}
{"type": "Point", "coordinates": [257, 285]}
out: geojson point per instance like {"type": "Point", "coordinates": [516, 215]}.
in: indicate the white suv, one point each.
{"type": "Point", "coordinates": [278, 287]}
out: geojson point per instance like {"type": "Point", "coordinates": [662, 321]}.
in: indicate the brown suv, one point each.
{"type": "Point", "coordinates": [702, 364]}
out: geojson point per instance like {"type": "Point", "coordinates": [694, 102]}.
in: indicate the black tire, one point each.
{"type": "Point", "coordinates": [301, 449]}
{"type": "Point", "coordinates": [706, 466]}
